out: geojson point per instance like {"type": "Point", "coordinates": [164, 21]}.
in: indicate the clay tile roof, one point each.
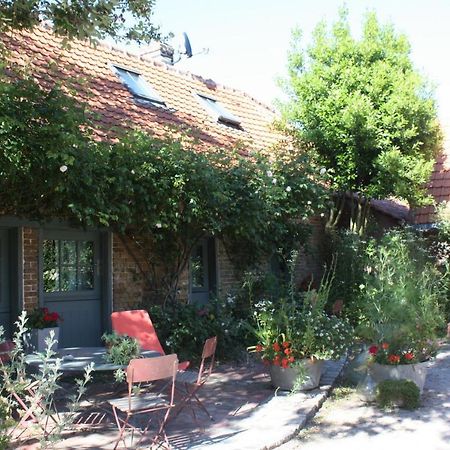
{"type": "Point", "coordinates": [439, 184]}
{"type": "Point", "coordinates": [89, 70]}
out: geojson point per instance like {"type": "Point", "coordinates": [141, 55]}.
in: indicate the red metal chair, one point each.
{"type": "Point", "coordinates": [192, 381]}
{"type": "Point", "coordinates": [138, 325]}
{"type": "Point", "coordinates": [155, 405]}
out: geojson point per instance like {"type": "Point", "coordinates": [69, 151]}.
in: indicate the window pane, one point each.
{"type": "Point", "coordinates": [51, 263]}
{"type": "Point", "coordinates": [197, 267]}
{"type": "Point", "coordinates": [69, 252]}
{"type": "Point", "coordinates": [86, 265]}
{"type": "Point", "coordinates": [68, 278]}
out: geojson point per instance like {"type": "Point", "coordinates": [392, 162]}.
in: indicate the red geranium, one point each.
{"type": "Point", "coordinates": [286, 344]}
{"type": "Point", "coordinates": [284, 363]}
{"type": "Point", "coordinates": [394, 359]}
{"type": "Point", "coordinates": [259, 348]}
{"type": "Point", "coordinates": [384, 345]}
{"type": "Point", "coordinates": [409, 356]}
{"type": "Point", "coordinates": [373, 350]}
{"type": "Point", "coordinates": [276, 346]}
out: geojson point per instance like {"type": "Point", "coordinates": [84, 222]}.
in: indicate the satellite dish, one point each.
{"type": "Point", "coordinates": [187, 46]}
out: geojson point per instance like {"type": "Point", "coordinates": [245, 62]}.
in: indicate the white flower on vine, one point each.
{"type": "Point", "coordinates": [158, 225]}
{"type": "Point", "coordinates": [288, 189]}
{"type": "Point", "coordinates": [323, 171]}
{"type": "Point", "coordinates": [63, 168]}
{"type": "Point", "coordinates": [274, 181]}
{"type": "Point", "coordinates": [269, 173]}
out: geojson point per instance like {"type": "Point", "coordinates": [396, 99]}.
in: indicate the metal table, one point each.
{"type": "Point", "coordinates": [76, 359]}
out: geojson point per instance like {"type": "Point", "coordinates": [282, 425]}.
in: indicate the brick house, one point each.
{"type": "Point", "coordinates": [93, 271]}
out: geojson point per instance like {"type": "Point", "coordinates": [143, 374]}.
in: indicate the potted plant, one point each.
{"type": "Point", "coordinates": [296, 335]}
{"type": "Point", "coordinates": [40, 323]}
{"type": "Point", "coordinates": [400, 308]}
{"type": "Point", "coordinates": [121, 349]}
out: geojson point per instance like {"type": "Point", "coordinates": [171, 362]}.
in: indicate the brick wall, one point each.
{"type": "Point", "coordinates": [310, 262]}
{"type": "Point", "coordinates": [130, 284]}
{"type": "Point", "coordinates": [227, 279]}
{"type": "Point", "coordinates": [30, 268]}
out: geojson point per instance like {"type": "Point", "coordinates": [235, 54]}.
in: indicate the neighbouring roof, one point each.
{"type": "Point", "coordinates": [439, 185]}
{"type": "Point", "coordinates": [393, 208]}
{"type": "Point", "coordinates": [90, 69]}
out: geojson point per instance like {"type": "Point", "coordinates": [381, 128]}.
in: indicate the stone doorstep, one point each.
{"type": "Point", "coordinates": [276, 421]}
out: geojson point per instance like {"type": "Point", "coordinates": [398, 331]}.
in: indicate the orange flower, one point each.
{"type": "Point", "coordinates": [284, 363]}
{"type": "Point", "coordinates": [409, 356]}
{"type": "Point", "coordinates": [259, 348]}
{"type": "Point", "coordinates": [276, 346]}
{"type": "Point", "coordinates": [384, 345]}
{"type": "Point", "coordinates": [394, 359]}
{"type": "Point", "coordinates": [286, 344]}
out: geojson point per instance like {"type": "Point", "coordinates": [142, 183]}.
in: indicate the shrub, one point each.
{"type": "Point", "coordinates": [183, 328]}
{"type": "Point", "coordinates": [401, 393]}
{"type": "Point", "coordinates": [401, 295]}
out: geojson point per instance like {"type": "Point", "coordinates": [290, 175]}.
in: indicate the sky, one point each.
{"type": "Point", "coordinates": [248, 40]}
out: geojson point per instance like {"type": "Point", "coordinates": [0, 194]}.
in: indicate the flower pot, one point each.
{"type": "Point", "coordinates": [285, 379]}
{"type": "Point", "coordinates": [413, 372]}
{"type": "Point", "coordinates": [35, 339]}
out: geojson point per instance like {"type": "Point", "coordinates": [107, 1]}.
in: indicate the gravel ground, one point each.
{"type": "Point", "coordinates": [345, 422]}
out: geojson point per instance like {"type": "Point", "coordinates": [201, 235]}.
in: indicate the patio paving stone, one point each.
{"type": "Point", "coordinates": [248, 413]}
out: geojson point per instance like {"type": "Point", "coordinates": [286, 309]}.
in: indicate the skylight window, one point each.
{"type": "Point", "coordinates": [219, 112]}
{"type": "Point", "coordinates": [137, 85]}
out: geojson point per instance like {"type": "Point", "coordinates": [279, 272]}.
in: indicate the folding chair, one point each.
{"type": "Point", "coordinates": [192, 381]}
{"type": "Point", "coordinates": [138, 325]}
{"type": "Point", "coordinates": [152, 404]}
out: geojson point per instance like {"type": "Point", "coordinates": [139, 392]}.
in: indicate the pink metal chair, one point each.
{"type": "Point", "coordinates": [155, 405]}
{"type": "Point", "coordinates": [138, 325]}
{"type": "Point", "coordinates": [192, 381]}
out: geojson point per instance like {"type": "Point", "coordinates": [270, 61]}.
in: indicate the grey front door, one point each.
{"type": "Point", "coordinates": [71, 285]}
{"type": "Point", "coordinates": [202, 271]}
{"type": "Point", "coordinates": [5, 292]}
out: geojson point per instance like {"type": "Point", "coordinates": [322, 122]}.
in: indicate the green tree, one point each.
{"type": "Point", "coordinates": [84, 19]}
{"type": "Point", "coordinates": [370, 116]}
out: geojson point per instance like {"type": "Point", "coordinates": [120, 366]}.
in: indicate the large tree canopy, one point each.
{"type": "Point", "coordinates": [84, 19]}
{"type": "Point", "coordinates": [368, 113]}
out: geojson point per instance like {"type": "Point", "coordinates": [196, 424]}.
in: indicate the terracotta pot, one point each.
{"type": "Point", "coordinates": [285, 379]}
{"type": "Point", "coordinates": [413, 372]}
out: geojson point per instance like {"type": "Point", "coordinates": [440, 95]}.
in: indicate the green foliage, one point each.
{"type": "Point", "coordinates": [125, 20]}
{"type": "Point", "coordinates": [348, 251]}
{"type": "Point", "coordinates": [121, 349]}
{"type": "Point", "coordinates": [296, 326]}
{"type": "Point", "coordinates": [401, 298]}
{"type": "Point", "coordinates": [363, 107]}
{"type": "Point", "coordinates": [183, 328]}
{"type": "Point", "coordinates": [15, 379]}
{"type": "Point", "coordinates": [162, 193]}
{"type": "Point", "coordinates": [402, 393]}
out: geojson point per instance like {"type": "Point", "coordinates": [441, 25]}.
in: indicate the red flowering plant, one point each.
{"type": "Point", "coordinates": [289, 330]}
{"type": "Point", "coordinates": [43, 318]}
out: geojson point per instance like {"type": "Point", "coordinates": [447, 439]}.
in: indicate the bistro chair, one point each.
{"type": "Point", "coordinates": [156, 406]}
{"type": "Point", "coordinates": [190, 382]}
{"type": "Point", "coordinates": [138, 325]}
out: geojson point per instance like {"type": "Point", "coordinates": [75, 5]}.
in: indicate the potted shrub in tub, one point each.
{"type": "Point", "coordinates": [401, 311]}
{"type": "Point", "coordinates": [41, 322]}
{"type": "Point", "coordinates": [296, 336]}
